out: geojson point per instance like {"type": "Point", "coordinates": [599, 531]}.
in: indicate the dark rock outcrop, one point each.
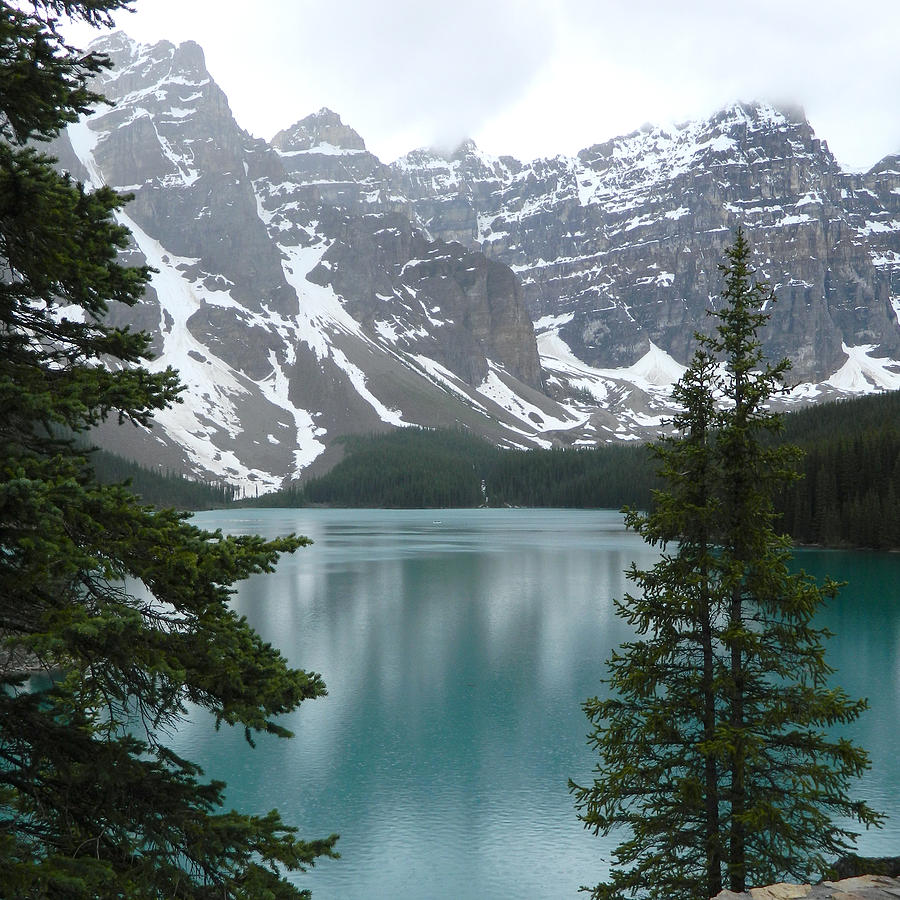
{"type": "Point", "coordinates": [864, 887]}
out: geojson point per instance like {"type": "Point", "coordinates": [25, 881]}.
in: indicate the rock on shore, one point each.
{"type": "Point", "coordinates": [864, 887]}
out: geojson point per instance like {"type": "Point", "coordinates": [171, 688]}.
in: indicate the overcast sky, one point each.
{"type": "Point", "coordinates": [540, 77]}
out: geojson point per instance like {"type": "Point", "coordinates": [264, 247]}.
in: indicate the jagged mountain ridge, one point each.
{"type": "Point", "coordinates": [306, 289]}
{"type": "Point", "coordinates": [625, 237]}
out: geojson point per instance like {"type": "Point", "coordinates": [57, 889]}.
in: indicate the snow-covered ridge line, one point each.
{"type": "Point", "coordinates": [322, 149]}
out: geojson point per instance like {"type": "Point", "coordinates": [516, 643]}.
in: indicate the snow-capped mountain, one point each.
{"type": "Point", "coordinates": [625, 238]}
{"type": "Point", "coordinates": [307, 290]}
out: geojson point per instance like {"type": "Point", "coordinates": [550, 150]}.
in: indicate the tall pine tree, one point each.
{"type": "Point", "coordinates": [92, 804]}
{"type": "Point", "coordinates": [713, 750]}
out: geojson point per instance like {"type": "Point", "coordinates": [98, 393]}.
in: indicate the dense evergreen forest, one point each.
{"type": "Point", "coordinates": [848, 495]}
{"type": "Point", "coordinates": [413, 467]}
{"type": "Point", "coordinates": [160, 489]}
{"type": "Point", "coordinates": [851, 486]}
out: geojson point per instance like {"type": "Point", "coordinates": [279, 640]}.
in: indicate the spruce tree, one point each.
{"type": "Point", "coordinates": [126, 606]}
{"type": "Point", "coordinates": [713, 749]}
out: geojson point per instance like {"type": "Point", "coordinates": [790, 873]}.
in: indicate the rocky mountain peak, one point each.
{"type": "Point", "coordinates": [761, 113]}
{"type": "Point", "coordinates": [466, 153]}
{"type": "Point", "coordinates": [189, 56]}
{"type": "Point", "coordinates": [739, 134]}
{"type": "Point", "coordinates": [136, 66]}
{"type": "Point", "coordinates": [321, 130]}
{"type": "Point", "coordinates": [890, 165]}
{"type": "Point", "coordinates": [118, 46]}
{"type": "Point", "coordinates": [480, 165]}
{"type": "Point", "coordinates": [169, 84]}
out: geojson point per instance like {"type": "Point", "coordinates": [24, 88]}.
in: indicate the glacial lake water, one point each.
{"type": "Point", "coordinates": [457, 647]}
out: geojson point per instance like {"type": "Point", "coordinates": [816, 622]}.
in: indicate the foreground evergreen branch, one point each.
{"type": "Point", "coordinates": [713, 749]}
{"type": "Point", "coordinates": [126, 606]}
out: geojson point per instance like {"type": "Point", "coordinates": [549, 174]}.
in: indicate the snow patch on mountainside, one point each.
{"type": "Point", "coordinates": [358, 379]}
{"type": "Point", "coordinates": [323, 149]}
{"type": "Point", "coordinates": [496, 389]}
{"type": "Point", "coordinates": [654, 373]}
{"type": "Point", "coordinates": [322, 318]}
{"type": "Point", "coordinates": [862, 372]}
{"type": "Point", "coordinates": [654, 370]}
{"type": "Point", "coordinates": [213, 388]}
{"type": "Point", "coordinates": [84, 139]}
{"type": "Point", "coordinates": [275, 389]}
{"type": "Point", "coordinates": [441, 375]}
{"type": "Point", "coordinates": [321, 314]}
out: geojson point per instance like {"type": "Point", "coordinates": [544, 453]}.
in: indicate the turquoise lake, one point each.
{"type": "Point", "coordinates": [457, 647]}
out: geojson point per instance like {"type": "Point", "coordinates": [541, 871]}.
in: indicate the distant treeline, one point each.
{"type": "Point", "coordinates": [414, 467]}
{"type": "Point", "coordinates": [160, 489]}
{"type": "Point", "coordinates": [849, 495]}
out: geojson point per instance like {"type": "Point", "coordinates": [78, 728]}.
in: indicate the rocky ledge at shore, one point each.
{"type": "Point", "coordinates": [863, 887]}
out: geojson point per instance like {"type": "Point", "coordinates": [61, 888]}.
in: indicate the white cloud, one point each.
{"type": "Point", "coordinates": [535, 77]}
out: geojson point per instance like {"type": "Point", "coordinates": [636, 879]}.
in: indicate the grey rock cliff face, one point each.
{"type": "Point", "coordinates": [443, 300]}
{"type": "Point", "coordinates": [627, 236]}
{"type": "Point", "coordinates": [320, 130]}
{"type": "Point", "coordinates": [330, 159]}
{"type": "Point", "coordinates": [171, 139]}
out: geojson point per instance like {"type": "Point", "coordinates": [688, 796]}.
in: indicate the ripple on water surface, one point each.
{"type": "Point", "coordinates": [458, 646]}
